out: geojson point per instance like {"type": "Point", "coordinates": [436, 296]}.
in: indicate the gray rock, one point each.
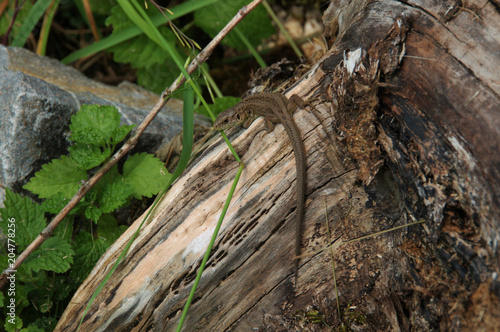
{"type": "Point", "coordinates": [37, 98]}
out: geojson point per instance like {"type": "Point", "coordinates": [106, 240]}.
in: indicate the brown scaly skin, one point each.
{"type": "Point", "coordinates": [274, 108]}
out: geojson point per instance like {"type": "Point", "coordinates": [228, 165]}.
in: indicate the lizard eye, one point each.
{"type": "Point", "coordinates": [238, 116]}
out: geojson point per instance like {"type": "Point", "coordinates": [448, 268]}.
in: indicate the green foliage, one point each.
{"type": "Point", "coordinates": [256, 26]}
{"type": "Point", "coordinates": [145, 174]}
{"type": "Point", "coordinates": [22, 219]}
{"type": "Point", "coordinates": [98, 126]}
{"type": "Point", "coordinates": [89, 248]}
{"type": "Point", "coordinates": [220, 104]}
{"type": "Point", "coordinates": [60, 176]}
{"type": "Point", "coordinates": [55, 254]}
{"type": "Point", "coordinates": [30, 21]}
{"type": "Point", "coordinates": [6, 17]}
{"type": "Point", "coordinates": [48, 277]}
{"type": "Point", "coordinates": [155, 69]}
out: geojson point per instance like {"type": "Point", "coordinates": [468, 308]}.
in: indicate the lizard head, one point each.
{"type": "Point", "coordinates": [230, 118]}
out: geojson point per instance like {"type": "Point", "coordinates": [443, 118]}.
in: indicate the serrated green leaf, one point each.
{"type": "Point", "coordinates": [44, 323]}
{"type": "Point", "coordinates": [94, 124]}
{"type": "Point", "coordinates": [114, 195]}
{"type": "Point", "coordinates": [120, 20]}
{"type": "Point", "coordinates": [138, 51]}
{"type": "Point", "coordinates": [65, 229]}
{"type": "Point", "coordinates": [88, 156]}
{"type": "Point", "coordinates": [102, 7]}
{"type": "Point", "coordinates": [109, 230]}
{"type": "Point", "coordinates": [55, 203]}
{"type": "Point", "coordinates": [155, 68]}
{"type": "Point", "coordinates": [220, 105]}
{"type": "Point", "coordinates": [120, 133]}
{"type": "Point", "coordinates": [146, 174]}
{"type": "Point", "coordinates": [54, 254]}
{"type": "Point", "coordinates": [18, 324]}
{"type": "Point", "coordinates": [87, 252]}
{"type": "Point", "coordinates": [59, 176]}
{"type": "Point", "coordinates": [22, 219]}
{"type": "Point", "coordinates": [93, 213]}
{"type": "Point", "coordinates": [256, 25]}
{"type": "Point", "coordinates": [156, 77]}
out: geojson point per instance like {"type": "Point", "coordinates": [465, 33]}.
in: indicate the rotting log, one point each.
{"type": "Point", "coordinates": [407, 129]}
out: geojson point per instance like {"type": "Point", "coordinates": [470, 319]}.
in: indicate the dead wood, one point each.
{"type": "Point", "coordinates": [408, 130]}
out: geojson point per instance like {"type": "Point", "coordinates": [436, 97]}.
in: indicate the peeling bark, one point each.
{"type": "Point", "coordinates": [407, 129]}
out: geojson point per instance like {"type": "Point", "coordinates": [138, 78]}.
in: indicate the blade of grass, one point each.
{"type": "Point", "coordinates": [250, 47]}
{"type": "Point", "coordinates": [124, 35]}
{"type": "Point", "coordinates": [187, 137]}
{"type": "Point", "coordinates": [285, 33]}
{"type": "Point", "coordinates": [30, 21]}
{"type": "Point", "coordinates": [209, 249]}
{"type": "Point", "coordinates": [47, 22]}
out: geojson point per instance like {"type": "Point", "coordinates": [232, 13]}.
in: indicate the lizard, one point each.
{"type": "Point", "coordinates": [275, 107]}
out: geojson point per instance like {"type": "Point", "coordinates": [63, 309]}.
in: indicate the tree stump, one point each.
{"type": "Point", "coordinates": [406, 129]}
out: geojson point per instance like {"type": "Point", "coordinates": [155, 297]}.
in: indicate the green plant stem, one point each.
{"type": "Point", "coordinates": [285, 33]}
{"type": "Point", "coordinates": [209, 249]}
{"type": "Point", "coordinates": [250, 47]}
{"type": "Point", "coordinates": [47, 22]}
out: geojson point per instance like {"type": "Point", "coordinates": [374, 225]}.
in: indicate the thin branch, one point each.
{"type": "Point", "coordinates": [86, 186]}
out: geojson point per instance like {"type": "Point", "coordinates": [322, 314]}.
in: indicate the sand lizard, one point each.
{"type": "Point", "coordinates": [274, 108]}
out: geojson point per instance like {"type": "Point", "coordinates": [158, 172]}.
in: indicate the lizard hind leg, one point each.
{"type": "Point", "coordinates": [295, 101]}
{"type": "Point", "coordinates": [269, 125]}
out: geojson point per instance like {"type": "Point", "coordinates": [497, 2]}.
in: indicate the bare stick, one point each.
{"type": "Point", "coordinates": [86, 186]}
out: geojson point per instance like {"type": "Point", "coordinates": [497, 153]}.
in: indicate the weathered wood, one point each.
{"type": "Point", "coordinates": [402, 139]}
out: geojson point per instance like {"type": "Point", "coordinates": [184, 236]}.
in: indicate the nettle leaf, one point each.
{"type": "Point", "coordinates": [55, 203]}
{"type": "Point", "coordinates": [59, 176]}
{"type": "Point", "coordinates": [88, 250]}
{"type": "Point", "coordinates": [102, 7]}
{"type": "Point", "coordinates": [18, 324]}
{"type": "Point", "coordinates": [156, 77]}
{"type": "Point", "coordinates": [114, 195]}
{"type": "Point", "coordinates": [93, 213]}
{"type": "Point", "coordinates": [22, 218]}
{"type": "Point", "coordinates": [112, 191]}
{"type": "Point", "coordinates": [65, 229]}
{"type": "Point", "coordinates": [138, 51]}
{"type": "Point", "coordinates": [155, 69]}
{"type": "Point", "coordinates": [146, 174]}
{"type": "Point", "coordinates": [88, 156]}
{"type": "Point", "coordinates": [109, 230]}
{"type": "Point", "coordinates": [119, 19]}
{"type": "Point", "coordinates": [221, 104]}
{"type": "Point", "coordinates": [120, 133]}
{"type": "Point", "coordinates": [54, 254]}
{"type": "Point", "coordinates": [94, 124]}
{"type": "Point", "coordinates": [255, 26]}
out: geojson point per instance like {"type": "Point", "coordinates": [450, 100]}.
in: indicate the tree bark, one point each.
{"type": "Point", "coordinates": [407, 129]}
